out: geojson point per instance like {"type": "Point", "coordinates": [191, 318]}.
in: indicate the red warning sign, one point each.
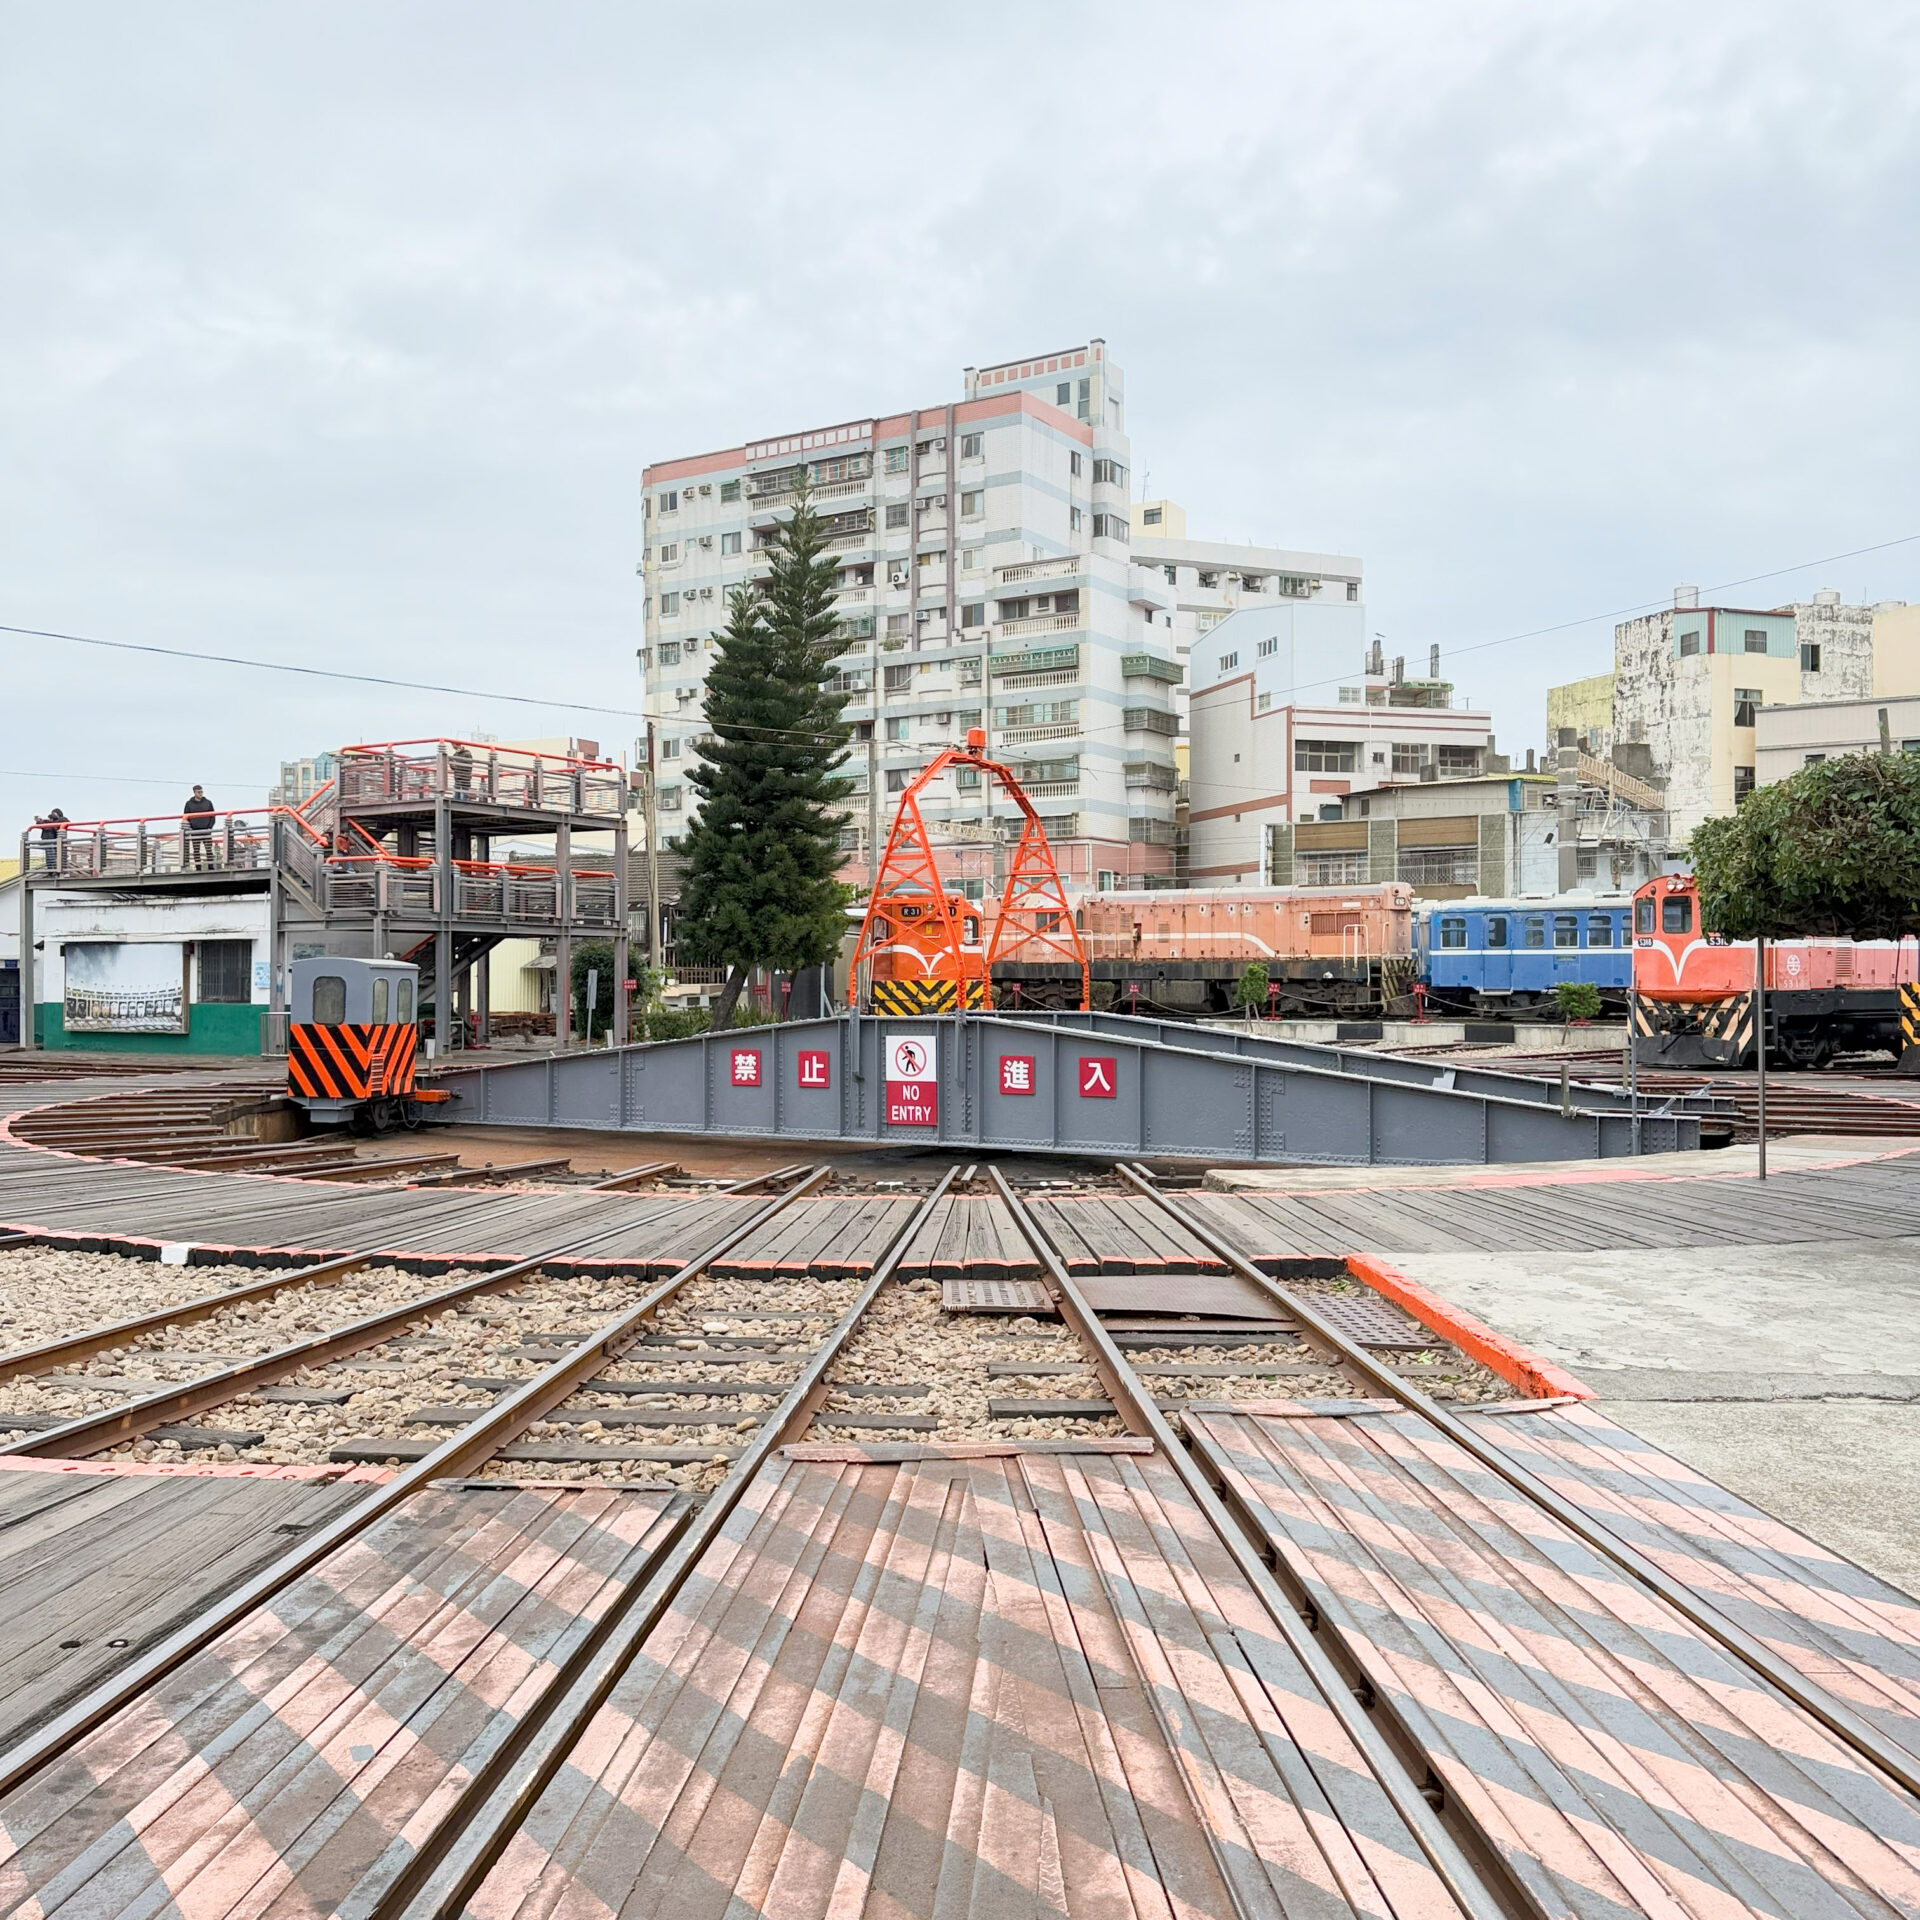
{"type": "Point", "coordinates": [912, 1080]}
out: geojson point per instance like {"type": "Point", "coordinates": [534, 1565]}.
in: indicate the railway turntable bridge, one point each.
{"type": "Point", "coordinates": [1082, 1085]}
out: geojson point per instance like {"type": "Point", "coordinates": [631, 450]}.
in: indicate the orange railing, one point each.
{"type": "Point", "coordinates": [344, 870]}
{"type": "Point", "coordinates": [471, 771]}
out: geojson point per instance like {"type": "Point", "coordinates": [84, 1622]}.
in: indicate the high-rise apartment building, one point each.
{"type": "Point", "coordinates": [987, 579]}
{"type": "Point", "coordinates": [301, 779]}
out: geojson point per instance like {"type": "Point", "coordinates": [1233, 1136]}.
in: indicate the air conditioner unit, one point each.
{"type": "Point", "coordinates": [706, 593]}
{"type": "Point", "coordinates": [706, 539]}
{"type": "Point", "coordinates": [943, 719]}
{"type": "Point", "coordinates": [899, 577]}
{"type": "Point", "coordinates": [707, 488]}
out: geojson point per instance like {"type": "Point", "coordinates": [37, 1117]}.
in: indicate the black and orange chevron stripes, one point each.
{"type": "Point", "coordinates": [351, 1062]}
{"type": "Point", "coordinates": [927, 996]}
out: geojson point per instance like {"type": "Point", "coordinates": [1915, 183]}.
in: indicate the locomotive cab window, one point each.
{"type": "Point", "coordinates": [1496, 929]}
{"type": "Point", "coordinates": [1566, 929]}
{"type": "Point", "coordinates": [1643, 915]}
{"type": "Point", "coordinates": [1536, 931]}
{"type": "Point", "coordinates": [1676, 914]}
{"type": "Point", "coordinates": [380, 1000]}
{"type": "Point", "coordinates": [1453, 933]}
{"type": "Point", "coordinates": [404, 1012]}
{"type": "Point", "coordinates": [1600, 930]}
{"type": "Point", "coordinates": [329, 1000]}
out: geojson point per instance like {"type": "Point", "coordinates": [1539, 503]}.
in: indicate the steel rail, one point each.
{"type": "Point", "coordinates": [463, 1848]}
{"type": "Point", "coordinates": [1136, 1407]}
{"type": "Point", "coordinates": [179, 1400]}
{"type": "Point", "coordinates": [632, 1176]}
{"type": "Point", "coordinates": [456, 1456]}
{"type": "Point", "coordinates": [1839, 1719]}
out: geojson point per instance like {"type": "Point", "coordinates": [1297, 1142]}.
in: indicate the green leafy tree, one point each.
{"type": "Point", "coordinates": [594, 956]}
{"type": "Point", "coordinates": [761, 854]}
{"type": "Point", "coordinates": [1250, 990]}
{"type": "Point", "coordinates": [1577, 1000]}
{"type": "Point", "coordinates": [1833, 850]}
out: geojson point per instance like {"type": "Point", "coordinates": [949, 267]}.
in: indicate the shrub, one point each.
{"type": "Point", "coordinates": [1251, 991]}
{"type": "Point", "coordinates": [1577, 1000]}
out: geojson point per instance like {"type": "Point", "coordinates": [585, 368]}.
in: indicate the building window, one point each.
{"type": "Point", "coordinates": [729, 491]}
{"type": "Point", "coordinates": [1809, 656]}
{"type": "Point", "coordinates": [1689, 644]}
{"type": "Point", "coordinates": [670, 553]}
{"type": "Point", "coordinates": [1496, 929]}
{"type": "Point", "coordinates": [927, 448]}
{"type": "Point", "coordinates": [226, 971]}
{"type": "Point", "coordinates": [973, 504]}
{"type": "Point", "coordinates": [897, 514]}
{"type": "Point", "coordinates": [897, 729]}
{"type": "Point", "coordinates": [1438, 866]}
{"type": "Point", "coordinates": [897, 681]}
{"type": "Point", "coordinates": [669, 604]}
{"type": "Point", "coordinates": [937, 558]}
{"type": "Point", "coordinates": [729, 543]}
{"type": "Point", "coordinates": [1323, 756]}
{"type": "Point", "coordinates": [1586, 863]}
{"type": "Point", "coordinates": [1112, 526]}
{"type": "Point", "coordinates": [1210, 580]}
{"type": "Point", "coordinates": [1109, 473]}
{"type": "Point", "coordinates": [897, 778]}
{"type": "Point", "coordinates": [898, 625]}
{"type": "Point", "coordinates": [973, 446]}
{"type": "Point", "coordinates": [1745, 700]}
{"type": "Point", "coordinates": [1228, 661]}
{"type": "Point", "coordinates": [1074, 466]}
{"type": "Point", "coordinates": [669, 799]}
{"type": "Point", "coordinates": [896, 460]}
{"type": "Point", "coordinates": [669, 749]}
{"type": "Point", "coordinates": [1566, 929]}
{"type": "Point", "coordinates": [1353, 589]}
{"type": "Point", "coordinates": [1408, 759]}
{"type": "Point", "coordinates": [1150, 517]}
{"type": "Point", "coordinates": [1756, 639]}
{"type": "Point", "coordinates": [1263, 703]}
{"type": "Point", "coordinates": [670, 503]}
{"type": "Point", "coordinates": [1814, 759]}
{"type": "Point", "coordinates": [974, 615]}
{"type": "Point", "coordinates": [965, 777]}
{"type": "Point", "coordinates": [1459, 763]}
{"type": "Point", "coordinates": [1742, 784]}
{"type": "Point", "coordinates": [1349, 696]}
{"type": "Point", "coordinates": [1332, 869]}
{"type": "Point", "coordinates": [1075, 519]}
{"type": "Point", "coordinates": [1267, 649]}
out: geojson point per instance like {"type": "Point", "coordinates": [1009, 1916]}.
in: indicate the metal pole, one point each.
{"type": "Point", "coordinates": [1760, 1039]}
{"type": "Point", "coordinates": [653, 863]}
{"type": "Point", "coordinates": [29, 1015]}
{"type": "Point", "coordinates": [1633, 1062]}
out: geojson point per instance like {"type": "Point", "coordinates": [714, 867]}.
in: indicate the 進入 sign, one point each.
{"type": "Point", "coordinates": [912, 1079]}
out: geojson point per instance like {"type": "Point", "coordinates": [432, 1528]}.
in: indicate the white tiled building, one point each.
{"type": "Point", "coordinates": [1293, 712]}
{"type": "Point", "coordinates": [987, 579]}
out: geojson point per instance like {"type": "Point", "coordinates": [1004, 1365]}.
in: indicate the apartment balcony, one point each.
{"type": "Point", "coordinates": [1051, 789]}
{"type": "Point", "coordinates": [1150, 666]}
{"type": "Point", "coordinates": [1026, 736]}
{"type": "Point", "coordinates": [1149, 720]}
{"type": "Point", "coordinates": [1023, 682]}
{"type": "Point", "coordinates": [1038, 623]}
{"type": "Point", "coordinates": [1151, 776]}
{"type": "Point", "coordinates": [1037, 660]}
{"type": "Point", "coordinates": [1063, 567]}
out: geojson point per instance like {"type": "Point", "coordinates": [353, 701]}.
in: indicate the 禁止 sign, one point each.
{"type": "Point", "coordinates": [746, 1066]}
{"type": "Point", "coordinates": [1098, 1079]}
{"type": "Point", "coordinates": [912, 1079]}
{"type": "Point", "coordinates": [816, 1068]}
{"type": "Point", "coordinates": [1016, 1073]}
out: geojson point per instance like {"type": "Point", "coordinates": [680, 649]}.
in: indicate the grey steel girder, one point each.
{"type": "Point", "coordinates": [987, 1081]}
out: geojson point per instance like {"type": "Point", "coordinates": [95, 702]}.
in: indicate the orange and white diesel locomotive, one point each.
{"type": "Point", "coordinates": [1694, 991]}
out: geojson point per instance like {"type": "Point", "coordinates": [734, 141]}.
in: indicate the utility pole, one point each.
{"type": "Point", "coordinates": [1760, 1039]}
{"type": "Point", "coordinates": [653, 860]}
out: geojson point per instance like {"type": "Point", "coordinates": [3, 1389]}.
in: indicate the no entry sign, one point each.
{"type": "Point", "coordinates": [912, 1079]}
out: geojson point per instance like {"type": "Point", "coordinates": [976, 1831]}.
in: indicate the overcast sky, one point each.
{"type": "Point", "coordinates": [341, 334]}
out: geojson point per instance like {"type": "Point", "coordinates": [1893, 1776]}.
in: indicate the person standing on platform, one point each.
{"type": "Point", "coordinates": [198, 816]}
{"type": "Point", "coordinates": [50, 828]}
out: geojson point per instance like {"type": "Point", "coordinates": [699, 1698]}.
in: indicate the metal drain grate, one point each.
{"type": "Point", "coordinates": [1373, 1322]}
{"type": "Point", "coordinates": [995, 1296]}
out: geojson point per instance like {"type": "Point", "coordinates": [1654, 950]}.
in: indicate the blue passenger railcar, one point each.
{"type": "Point", "coordinates": [1486, 955]}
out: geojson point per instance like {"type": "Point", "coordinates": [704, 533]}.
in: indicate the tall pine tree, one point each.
{"type": "Point", "coordinates": [760, 887]}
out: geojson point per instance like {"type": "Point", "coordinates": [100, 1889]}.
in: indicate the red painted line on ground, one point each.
{"type": "Point", "coordinates": [1539, 1378]}
{"type": "Point", "coordinates": [210, 1470]}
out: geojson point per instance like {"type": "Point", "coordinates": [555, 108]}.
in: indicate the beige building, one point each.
{"type": "Point", "coordinates": [1789, 737]}
{"type": "Point", "coordinates": [1683, 703]}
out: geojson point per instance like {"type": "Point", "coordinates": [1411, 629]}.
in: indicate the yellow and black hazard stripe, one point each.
{"type": "Point", "coordinates": [928, 996]}
{"type": "Point", "coordinates": [1910, 1015]}
{"type": "Point", "coordinates": [1729, 1020]}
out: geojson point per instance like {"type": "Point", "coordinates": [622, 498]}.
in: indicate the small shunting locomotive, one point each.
{"type": "Point", "coordinates": [353, 1043]}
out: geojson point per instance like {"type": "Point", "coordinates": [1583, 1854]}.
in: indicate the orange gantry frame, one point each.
{"type": "Point", "coordinates": [920, 944]}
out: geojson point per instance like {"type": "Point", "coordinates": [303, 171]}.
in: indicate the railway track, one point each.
{"type": "Point", "coordinates": [823, 1505]}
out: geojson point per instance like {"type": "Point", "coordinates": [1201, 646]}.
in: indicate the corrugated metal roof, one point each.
{"type": "Point", "coordinates": [1617, 1760]}
{"type": "Point", "coordinates": [1014, 1682]}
